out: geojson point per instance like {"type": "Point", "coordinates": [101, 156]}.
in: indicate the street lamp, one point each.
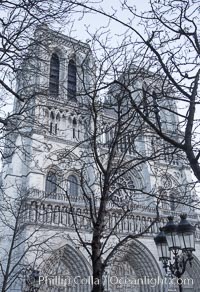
{"type": "Point", "coordinates": [179, 241]}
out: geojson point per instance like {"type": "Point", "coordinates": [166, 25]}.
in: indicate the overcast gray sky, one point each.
{"type": "Point", "coordinates": [94, 20]}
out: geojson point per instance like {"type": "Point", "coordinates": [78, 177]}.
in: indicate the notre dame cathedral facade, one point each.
{"type": "Point", "coordinates": [49, 159]}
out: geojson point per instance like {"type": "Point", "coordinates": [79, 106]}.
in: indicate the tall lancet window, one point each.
{"type": "Point", "coordinates": [52, 122]}
{"type": "Point", "coordinates": [74, 128]}
{"type": "Point", "coordinates": [72, 186]}
{"type": "Point", "coordinates": [57, 124]}
{"type": "Point", "coordinates": [51, 183]}
{"type": "Point", "coordinates": [54, 75]}
{"type": "Point", "coordinates": [71, 86]}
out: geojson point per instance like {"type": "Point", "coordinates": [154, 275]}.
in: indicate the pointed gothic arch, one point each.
{"type": "Point", "coordinates": [72, 185]}
{"type": "Point", "coordinates": [54, 75]}
{"type": "Point", "coordinates": [57, 123]}
{"type": "Point", "coordinates": [51, 123]}
{"type": "Point", "coordinates": [71, 81]}
{"type": "Point", "coordinates": [134, 262]}
{"type": "Point", "coordinates": [51, 182]}
{"type": "Point", "coordinates": [67, 264]}
{"type": "Point", "coordinates": [192, 273]}
{"type": "Point", "coordinates": [74, 127]}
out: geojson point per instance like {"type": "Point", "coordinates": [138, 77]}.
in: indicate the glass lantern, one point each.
{"type": "Point", "coordinates": [170, 230]}
{"type": "Point", "coordinates": [186, 233]}
{"type": "Point", "coordinates": [162, 246]}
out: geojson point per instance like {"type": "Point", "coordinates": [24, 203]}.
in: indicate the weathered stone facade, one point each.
{"type": "Point", "coordinates": [57, 127]}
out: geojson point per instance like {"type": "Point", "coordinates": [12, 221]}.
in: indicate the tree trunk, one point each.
{"type": "Point", "coordinates": [98, 285]}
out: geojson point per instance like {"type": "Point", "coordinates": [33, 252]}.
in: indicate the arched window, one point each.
{"type": "Point", "coordinates": [57, 124]}
{"type": "Point", "coordinates": [74, 127]}
{"type": "Point", "coordinates": [172, 202]}
{"type": "Point", "coordinates": [71, 86]}
{"type": "Point", "coordinates": [79, 129]}
{"type": "Point", "coordinates": [51, 125]}
{"type": "Point", "coordinates": [54, 124]}
{"type": "Point", "coordinates": [72, 185]}
{"type": "Point", "coordinates": [51, 183]}
{"type": "Point", "coordinates": [54, 75]}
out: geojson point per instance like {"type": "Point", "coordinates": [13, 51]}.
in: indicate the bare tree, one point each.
{"type": "Point", "coordinates": [21, 247]}
{"type": "Point", "coordinates": [112, 146]}
{"type": "Point", "coordinates": [119, 137]}
{"type": "Point", "coordinates": [18, 22]}
{"type": "Point", "coordinates": [165, 46]}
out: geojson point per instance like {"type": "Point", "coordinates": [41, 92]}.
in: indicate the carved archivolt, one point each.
{"type": "Point", "coordinates": [133, 264]}
{"type": "Point", "coordinates": [64, 270]}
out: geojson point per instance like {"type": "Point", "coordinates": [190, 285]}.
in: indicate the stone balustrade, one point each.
{"type": "Point", "coordinates": [55, 210]}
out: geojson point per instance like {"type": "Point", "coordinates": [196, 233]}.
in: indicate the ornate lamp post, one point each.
{"type": "Point", "coordinates": [178, 241]}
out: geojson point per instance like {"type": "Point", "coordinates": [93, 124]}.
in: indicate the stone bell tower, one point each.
{"type": "Point", "coordinates": [44, 157]}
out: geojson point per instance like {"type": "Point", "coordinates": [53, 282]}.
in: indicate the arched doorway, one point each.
{"type": "Point", "coordinates": [134, 269]}
{"type": "Point", "coordinates": [66, 271]}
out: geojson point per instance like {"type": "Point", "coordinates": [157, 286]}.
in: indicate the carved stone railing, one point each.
{"type": "Point", "coordinates": [43, 196]}
{"type": "Point", "coordinates": [79, 200]}
{"type": "Point", "coordinates": [54, 210]}
{"type": "Point", "coordinates": [63, 216]}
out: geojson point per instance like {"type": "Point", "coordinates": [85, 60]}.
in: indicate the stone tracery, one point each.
{"type": "Point", "coordinates": [64, 271]}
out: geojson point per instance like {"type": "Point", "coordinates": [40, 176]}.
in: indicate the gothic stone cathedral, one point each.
{"type": "Point", "coordinates": [49, 165]}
